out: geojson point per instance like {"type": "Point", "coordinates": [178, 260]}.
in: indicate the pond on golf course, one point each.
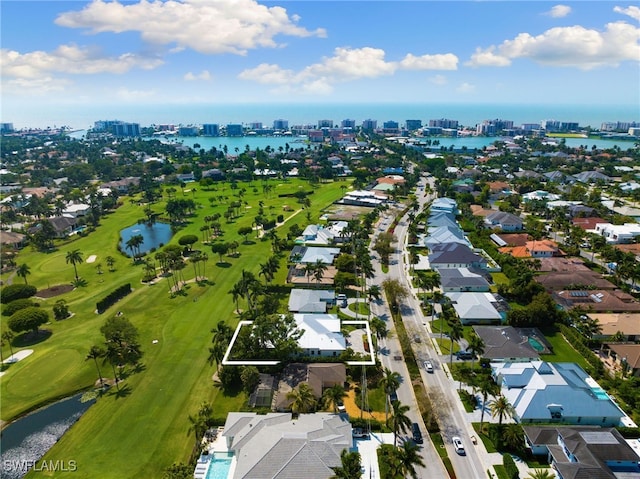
{"type": "Point", "coordinates": [153, 235]}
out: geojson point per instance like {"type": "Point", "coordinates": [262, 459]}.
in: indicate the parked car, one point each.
{"type": "Point", "coordinates": [428, 365]}
{"type": "Point", "coordinates": [341, 407]}
{"type": "Point", "coordinates": [416, 433]}
{"type": "Point", "coordinates": [464, 355]}
{"type": "Point", "coordinates": [341, 300]}
{"type": "Point", "coordinates": [457, 444]}
{"type": "Point", "coordinates": [417, 338]}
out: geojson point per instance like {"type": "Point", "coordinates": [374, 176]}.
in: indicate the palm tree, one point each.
{"type": "Point", "coordinates": [95, 353]}
{"type": "Point", "coordinates": [113, 355]}
{"type": "Point", "coordinates": [74, 257]}
{"type": "Point", "coordinates": [201, 421]}
{"type": "Point", "coordinates": [309, 269]}
{"type": "Point", "coordinates": [513, 437]}
{"type": "Point", "coordinates": [133, 244]}
{"type": "Point", "coordinates": [541, 474]}
{"type": "Point", "coordinates": [409, 458]}
{"type": "Point", "coordinates": [501, 407]}
{"type": "Point", "coordinates": [333, 396]}
{"type": "Point", "coordinates": [110, 260]}
{"type": "Point", "coordinates": [319, 268]}
{"type": "Point", "coordinates": [390, 382]}
{"type": "Point", "coordinates": [23, 271]}
{"type": "Point", "coordinates": [350, 467]}
{"type": "Point", "coordinates": [8, 337]}
{"type": "Point", "coordinates": [455, 333]}
{"type": "Point", "coordinates": [222, 334]}
{"type": "Point", "coordinates": [303, 399]}
{"type": "Point", "coordinates": [374, 292]}
{"type": "Point", "coordinates": [399, 420]}
{"type": "Point", "coordinates": [487, 387]}
{"type": "Point", "coordinates": [476, 347]}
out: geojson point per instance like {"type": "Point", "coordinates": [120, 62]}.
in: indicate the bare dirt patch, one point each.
{"type": "Point", "coordinates": [54, 291]}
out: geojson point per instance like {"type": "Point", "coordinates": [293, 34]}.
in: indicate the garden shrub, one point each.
{"type": "Point", "coordinates": [17, 305]}
{"type": "Point", "coordinates": [113, 297]}
{"type": "Point", "coordinates": [16, 291]}
{"type": "Point", "coordinates": [510, 466]}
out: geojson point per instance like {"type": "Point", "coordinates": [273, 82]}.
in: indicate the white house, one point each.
{"type": "Point", "coordinates": [542, 392]}
{"type": "Point", "coordinates": [476, 308]}
{"type": "Point", "coordinates": [539, 195]}
{"type": "Point", "coordinates": [322, 335]}
{"type": "Point", "coordinates": [618, 234]}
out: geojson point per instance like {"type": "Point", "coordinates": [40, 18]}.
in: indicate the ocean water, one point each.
{"type": "Point", "coordinates": [82, 117]}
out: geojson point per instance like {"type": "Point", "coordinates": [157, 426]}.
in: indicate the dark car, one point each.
{"type": "Point", "coordinates": [464, 355]}
{"type": "Point", "coordinates": [416, 433]}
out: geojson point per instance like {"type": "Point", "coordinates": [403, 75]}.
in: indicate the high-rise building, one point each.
{"type": "Point", "coordinates": [369, 124]}
{"type": "Point", "coordinates": [188, 131]}
{"type": "Point", "coordinates": [211, 129]}
{"type": "Point", "coordinates": [444, 123]}
{"type": "Point", "coordinates": [348, 123]}
{"type": "Point", "coordinates": [124, 129]}
{"type": "Point", "coordinates": [235, 129]}
{"type": "Point", "coordinates": [325, 123]}
{"type": "Point", "coordinates": [493, 127]}
{"type": "Point", "coordinates": [280, 124]}
{"type": "Point", "coordinates": [412, 125]}
{"type": "Point", "coordinates": [6, 128]}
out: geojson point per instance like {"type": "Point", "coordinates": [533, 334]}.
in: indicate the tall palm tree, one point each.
{"type": "Point", "coordinates": [399, 421]}
{"type": "Point", "coordinates": [8, 337]}
{"type": "Point", "coordinates": [409, 459]}
{"type": "Point", "coordinates": [455, 334]}
{"type": "Point", "coordinates": [501, 407]}
{"type": "Point", "coordinates": [222, 335]}
{"type": "Point", "coordinates": [23, 271]}
{"type": "Point", "coordinates": [350, 466]}
{"type": "Point", "coordinates": [303, 399]}
{"type": "Point", "coordinates": [487, 387]}
{"type": "Point", "coordinates": [333, 396]}
{"type": "Point", "coordinates": [95, 353]}
{"type": "Point", "coordinates": [113, 355]}
{"type": "Point", "coordinates": [202, 421]}
{"type": "Point", "coordinates": [74, 257]}
{"type": "Point", "coordinates": [309, 269]}
{"type": "Point", "coordinates": [110, 260]}
{"type": "Point", "coordinates": [476, 347]}
{"type": "Point", "coordinates": [390, 382]}
{"type": "Point", "coordinates": [319, 268]}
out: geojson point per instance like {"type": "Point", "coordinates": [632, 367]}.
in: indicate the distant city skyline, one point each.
{"type": "Point", "coordinates": [58, 56]}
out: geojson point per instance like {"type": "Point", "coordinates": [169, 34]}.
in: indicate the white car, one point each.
{"type": "Point", "coordinates": [457, 445]}
{"type": "Point", "coordinates": [428, 365]}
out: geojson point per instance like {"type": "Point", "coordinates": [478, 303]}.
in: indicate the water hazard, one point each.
{"type": "Point", "coordinates": [29, 438]}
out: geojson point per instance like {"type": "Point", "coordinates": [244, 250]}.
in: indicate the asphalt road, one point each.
{"type": "Point", "coordinates": [440, 388]}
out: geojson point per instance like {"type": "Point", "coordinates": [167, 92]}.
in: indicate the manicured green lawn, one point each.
{"type": "Point", "coordinates": [363, 308]}
{"type": "Point", "coordinates": [563, 352]}
{"type": "Point", "coordinates": [143, 430]}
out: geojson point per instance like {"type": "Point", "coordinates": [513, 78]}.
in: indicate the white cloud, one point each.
{"type": "Point", "coordinates": [69, 59]}
{"type": "Point", "coordinates": [347, 64]}
{"type": "Point", "coordinates": [204, 75]}
{"type": "Point", "coordinates": [134, 95]}
{"type": "Point", "coordinates": [34, 86]}
{"type": "Point", "coordinates": [559, 11]}
{"type": "Point", "coordinates": [466, 88]}
{"type": "Point", "coordinates": [438, 80]}
{"type": "Point", "coordinates": [632, 11]}
{"type": "Point", "coordinates": [210, 27]}
{"type": "Point", "coordinates": [573, 46]}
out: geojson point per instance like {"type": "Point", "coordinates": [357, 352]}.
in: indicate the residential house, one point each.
{"type": "Point", "coordinates": [591, 177]}
{"type": "Point", "coordinates": [542, 392]}
{"type": "Point", "coordinates": [455, 255]}
{"type": "Point", "coordinates": [539, 195]}
{"type": "Point", "coordinates": [598, 300]}
{"type": "Point", "coordinates": [627, 324]}
{"type": "Point", "coordinates": [319, 377]}
{"type": "Point", "coordinates": [618, 234]}
{"type": "Point", "coordinates": [588, 223]}
{"type": "Point", "coordinates": [462, 279]}
{"type": "Point", "coordinates": [622, 358]}
{"type": "Point", "coordinates": [477, 308]}
{"type": "Point", "coordinates": [276, 445]}
{"type": "Point", "coordinates": [583, 452]}
{"type": "Point", "coordinates": [533, 249]}
{"type": "Point", "coordinates": [444, 204]}
{"type": "Point", "coordinates": [442, 235]}
{"type": "Point", "coordinates": [11, 239]}
{"type": "Point", "coordinates": [311, 300]}
{"type": "Point", "coordinates": [312, 254]}
{"type": "Point", "coordinates": [573, 280]}
{"type": "Point", "coordinates": [322, 335]}
{"type": "Point", "coordinates": [503, 220]}
{"type": "Point", "coordinates": [122, 186]}
{"type": "Point", "coordinates": [76, 210]}
{"type": "Point", "coordinates": [506, 344]}
{"type": "Point", "coordinates": [62, 226]}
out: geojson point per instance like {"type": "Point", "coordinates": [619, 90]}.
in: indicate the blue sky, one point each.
{"type": "Point", "coordinates": [59, 54]}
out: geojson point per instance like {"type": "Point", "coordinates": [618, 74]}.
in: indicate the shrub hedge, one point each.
{"type": "Point", "coordinates": [113, 297]}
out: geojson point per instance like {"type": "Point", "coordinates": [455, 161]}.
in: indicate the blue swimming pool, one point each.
{"type": "Point", "coordinates": [600, 393]}
{"type": "Point", "coordinates": [219, 465]}
{"type": "Point", "coordinates": [535, 344]}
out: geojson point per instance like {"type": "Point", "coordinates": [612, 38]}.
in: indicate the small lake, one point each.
{"type": "Point", "coordinates": [29, 438]}
{"type": "Point", "coordinates": [154, 236]}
